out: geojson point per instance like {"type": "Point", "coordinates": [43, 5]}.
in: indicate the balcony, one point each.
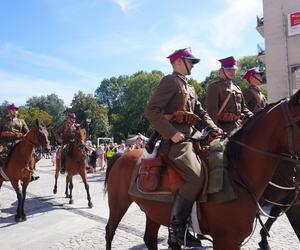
{"type": "Point", "coordinates": [260, 25]}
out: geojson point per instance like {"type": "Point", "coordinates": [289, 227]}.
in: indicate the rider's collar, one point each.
{"type": "Point", "coordinates": [181, 76]}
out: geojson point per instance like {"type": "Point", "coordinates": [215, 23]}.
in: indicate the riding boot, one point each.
{"type": "Point", "coordinates": [181, 210]}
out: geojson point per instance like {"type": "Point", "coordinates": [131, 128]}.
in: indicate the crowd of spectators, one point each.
{"type": "Point", "coordinates": [99, 156]}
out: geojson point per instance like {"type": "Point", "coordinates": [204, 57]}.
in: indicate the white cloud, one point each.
{"type": "Point", "coordinates": [43, 61]}
{"type": "Point", "coordinates": [19, 88]}
{"type": "Point", "coordinates": [127, 5]}
{"type": "Point", "coordinates": [225, 28]}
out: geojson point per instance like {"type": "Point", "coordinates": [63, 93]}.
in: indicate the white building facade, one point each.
{"type": "Point", "coordinates": [280, 28]}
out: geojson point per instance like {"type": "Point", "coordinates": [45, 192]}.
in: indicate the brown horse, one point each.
{"type": "Point", "coordinates": [75, 162]}
{"type": "Point", "coordinates": [283, 194]}
{"type": "Point", "coordinates": [253, 152]}
{"type": "Point", "coordinates": [21, 164]}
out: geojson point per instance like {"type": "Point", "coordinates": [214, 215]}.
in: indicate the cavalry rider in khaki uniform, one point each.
{"type": "Point", "coordinates": [174, 96]}
{"type": "Point", "coordinates": [224, 101]}
{"type": "Point", "coordinates": [12, 130]}
{"type": "Point", "coordinates": [65, 135]}
{"type": "Point", "coordinates": [254, 98]}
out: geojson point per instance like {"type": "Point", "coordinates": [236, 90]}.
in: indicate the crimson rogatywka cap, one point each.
{"type": "Point", "coordinates": [12, 106]}
{"type": "Point", "coordinates": [183, 53]}
{"type": "Point", "coordinates": [251, 72]}
{"type": "Point", "coordinates": [228, 63]}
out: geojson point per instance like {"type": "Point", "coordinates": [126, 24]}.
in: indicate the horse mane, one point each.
{"type": "Point", "coordinates": [233, 150]}
{"type": "Point", "coordinates": [110, 164]}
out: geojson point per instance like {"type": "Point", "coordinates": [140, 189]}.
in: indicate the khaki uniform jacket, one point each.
{"type": "Point", "coordinates": [13, 125]}
{"type": "Point", "coordinates": [167, 100]}
{"type": "Point", "coordinates": [66, 132]}
{"type": "Point", "coordinates": [254, 98]}
{"type": "Point", "coordinates": [215, 96]}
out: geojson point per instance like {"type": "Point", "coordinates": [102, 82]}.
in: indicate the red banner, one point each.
{"type": "Point", "coordinates": [295, 19]}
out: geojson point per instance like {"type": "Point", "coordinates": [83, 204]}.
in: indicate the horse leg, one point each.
{"type": "Point", "coordinates": [56, 177]}
{"type": "Point", "coordinates": [117, 209]}
{"type": "Point", "coordinates": [24, 188]}
{"type": "Point", "coordinates": [18, 216]}
{"type": "Point", "coordinates": [264, 244]}
{"type": "Point", "coordinates": [150, 236]}
{"type": "Point", "coordinates": [87, 187]}
{"type": "Point", "coordinates": [71, 201]}
{"type": "Point", "coordinates": [294, 218]}
{"type": "Point", "coordinates": [67, 187]}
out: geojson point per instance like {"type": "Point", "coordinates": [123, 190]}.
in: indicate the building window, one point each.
{"type": "Point", "coordinates": [295, 77]}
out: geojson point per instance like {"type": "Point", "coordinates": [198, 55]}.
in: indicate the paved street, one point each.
{"type": "Point", "coordinates": [54, 224]}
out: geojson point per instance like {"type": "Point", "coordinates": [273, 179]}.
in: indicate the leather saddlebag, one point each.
{"type": "Point", "coordinates": [149, 174]}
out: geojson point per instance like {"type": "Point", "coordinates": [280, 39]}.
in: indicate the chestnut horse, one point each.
{"type": "Point", "coordinates": [21, 164]}
{"type": "Point", "coordinates": [254, 152]}
{"type": "Point", "coordinates": [75, 163]}
{"type": "Point", "coordinates": [283, 194]}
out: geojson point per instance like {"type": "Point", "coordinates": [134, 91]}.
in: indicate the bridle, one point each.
{"type": "Point", "coordinates": [40, 140]}
{"type": "Point", "coordinates": [291, 156]}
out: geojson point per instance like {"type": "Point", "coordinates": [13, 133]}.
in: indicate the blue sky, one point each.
{"type": "Point", "coordinates": [63, 46]}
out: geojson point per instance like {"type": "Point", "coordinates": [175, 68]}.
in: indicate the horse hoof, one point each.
{"type": "Point", "coordinates": [90, 204]}
{"type": "Point", "coordinates": [67, 196]}
{"type": "Point", "coordinates": [264, 245]}
{"type": "Point", "coordinates": [24, 217]}
{"type": "Point", "coordinates": [54, 191]}
{"type": "Point", "coordinates": [71, 202]}
{"type": "Point", "coordinates": [18, 218]}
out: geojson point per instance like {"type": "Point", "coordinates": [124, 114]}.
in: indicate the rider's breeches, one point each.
{"type": "Point", "coordinates": [188, 166]}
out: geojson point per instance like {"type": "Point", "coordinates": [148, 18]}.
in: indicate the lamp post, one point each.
{"type": "Point", "coordinates": [88, 121]}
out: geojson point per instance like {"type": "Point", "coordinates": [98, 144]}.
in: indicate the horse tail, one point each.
{"type": "Point", "coordinates": [110, 164]}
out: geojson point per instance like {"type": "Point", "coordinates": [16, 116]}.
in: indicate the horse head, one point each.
{"type": "Point", "coordinates": [80, 135]}
{"type": "Point", "coordinates": [38, 136]}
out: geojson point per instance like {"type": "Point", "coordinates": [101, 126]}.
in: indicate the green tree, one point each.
{"type": "Point", "coordinates": [110, 93]}
{"type": "Point", "coordinates": [52, 104]}
{"type": "Point", "coordinates": [3, 108]}
{"type": "Point", "coordinates": [131, 119]}
{"type": "Point", "coordinates": [31, 114]}
{"type": "Point", "coordinates": [87, 107]}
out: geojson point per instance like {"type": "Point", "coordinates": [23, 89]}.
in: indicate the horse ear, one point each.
{"type": "Point", "coordinates": [37, 122]}
{"type": "Point", "coordinates": [83, 124]}
{"type": "Point", "coordinates": [295, 98]}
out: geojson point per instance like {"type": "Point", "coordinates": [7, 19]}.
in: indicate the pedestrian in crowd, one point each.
{"type": "Point", "coordinates": [110, 151]}
{"type": "Point", "coordinates": [173, 110]}
{"type": "Point", "coordinates": [93, 160]}
{"type": "Point", "coordinates": [224, 100]}
{"type": "Point", "coordinates": [12, 130]}
{"type": "Point", "coordinates": [254, 98]}
{"type": "Point", "coordinates": [121, 148]}
{"type": "Point", "coordinates": [101, 157]}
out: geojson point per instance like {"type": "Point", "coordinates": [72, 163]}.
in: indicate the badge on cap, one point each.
{"type": "Point", "coordinates": [183, 53]}
{"type": "Point", "coordinates": [228, 63]}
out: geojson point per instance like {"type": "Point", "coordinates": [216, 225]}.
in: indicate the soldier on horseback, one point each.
{"type": "Point", "coordinates": [224, 100]}
{"type": "Point", "coordinates": [254, 98]}
{"type": "Point", "coordinates": [12, 130]}
{"type": "Point", "coordinates": [173, 110]}
{"type": "Point", "coordinates": [65, 135]}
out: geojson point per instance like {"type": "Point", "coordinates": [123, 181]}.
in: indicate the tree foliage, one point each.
{"type": "Point", "coordinates": [87, 107]}
{"type": "Point", "coordinates": [31, 114]}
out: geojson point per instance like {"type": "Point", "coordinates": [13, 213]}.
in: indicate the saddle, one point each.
{"type": "Point", "coordinates": [157, 177]}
